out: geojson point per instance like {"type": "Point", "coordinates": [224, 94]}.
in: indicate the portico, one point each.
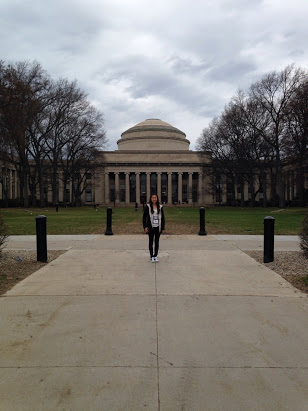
{"type": "Point", "coordinates": [176, 187]}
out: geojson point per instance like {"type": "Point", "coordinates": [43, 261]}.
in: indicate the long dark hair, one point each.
{"type": "Point", "coordinates": [157, 203]}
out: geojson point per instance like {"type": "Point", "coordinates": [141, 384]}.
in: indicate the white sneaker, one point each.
{"type": "Point", "coordinates": [156, 260]}
{"type": "Point", "coordinates": [153, 260]}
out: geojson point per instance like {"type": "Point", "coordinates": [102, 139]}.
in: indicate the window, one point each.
{"type": "Point", "coordinates": [89, 193]}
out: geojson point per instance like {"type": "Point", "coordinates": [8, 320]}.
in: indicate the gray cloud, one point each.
{"type": "Point", "coordinates": [232, 71]}
{"type": "Point", "coordinates": [175, 60]}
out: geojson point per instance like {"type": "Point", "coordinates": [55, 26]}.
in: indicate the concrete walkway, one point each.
{"type": "Point", "coordinates": [102, 328]}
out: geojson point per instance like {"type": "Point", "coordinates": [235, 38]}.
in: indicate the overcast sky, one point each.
{"type": "Point", "coordinates": [177, 60]}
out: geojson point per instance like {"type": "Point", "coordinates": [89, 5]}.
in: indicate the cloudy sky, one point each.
{"type": "Point", "coordinates": [177, 60]}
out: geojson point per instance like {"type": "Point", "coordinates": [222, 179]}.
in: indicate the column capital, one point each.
{"type": "Point", "coordinates": [169, 172]}
{"type": "Point", "coordinates": [127, 172]}
{"type": "Point", "coordinates": [180, 173]}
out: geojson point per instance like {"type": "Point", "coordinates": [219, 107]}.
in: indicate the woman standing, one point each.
{"type": "Point", "coordinates": [154, 224]}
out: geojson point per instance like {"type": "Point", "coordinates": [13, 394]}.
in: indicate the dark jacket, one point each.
{"type": "Point", "coordinates": [147, 218]}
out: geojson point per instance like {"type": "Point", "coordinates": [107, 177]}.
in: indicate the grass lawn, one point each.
{"type": "Point", "coordinates": [219, 220]}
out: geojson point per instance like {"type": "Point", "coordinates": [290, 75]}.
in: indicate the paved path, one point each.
{"type": "Point", "coordinates": [101, 328]}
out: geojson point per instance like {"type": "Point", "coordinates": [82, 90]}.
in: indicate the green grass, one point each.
{"type": "Point", "coordinates": [223, 220]}
{"type": "Point", "coordinates": [305, 280]}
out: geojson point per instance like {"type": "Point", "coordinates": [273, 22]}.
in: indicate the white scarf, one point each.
{"type": "Point", "coordinates": [152, 216]}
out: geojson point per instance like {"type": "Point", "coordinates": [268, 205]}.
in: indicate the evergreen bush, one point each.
{"type": "Point", "coordinates": [304, 236]}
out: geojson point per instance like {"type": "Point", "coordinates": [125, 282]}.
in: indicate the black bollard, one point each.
{"type": "Point", "coordinates": [41, 238]}
{"type": "Point", "coordinates": [269, 223]}
{"type": "Point", "coordinates": [57, 207]}
{"type": "Point", "coordinates": [109, 222]}
{"type": "Point", "coordinates": [202, 221]}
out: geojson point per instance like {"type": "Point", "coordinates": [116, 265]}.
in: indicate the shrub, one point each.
{"type": "Point", "coordinates": [3, 233]}
{"type": "Point", "coordinates": [304, 236]}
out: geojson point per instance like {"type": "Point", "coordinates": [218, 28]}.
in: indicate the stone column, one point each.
{"type": "Point", "coordinates": [117, 188]}
{"type": "Point", "coordinates": [200, 186]}
{"type": "Point", "coordinates": [138, 187]}
{"type": "Point", "coordinates": [148, 186]}
{"type": "Point", "coordinates": [159, 185]}
{"type": "Point", "coordinates": [107, 189]}
{"type": "Point", "coordinates": [127, 188]}
{"type": "Point", "coordinates": [190, 188]}
{"type": "Point", "coordinates": [169, 188]}
{"type": "Point", "coordinates": [180, 188]}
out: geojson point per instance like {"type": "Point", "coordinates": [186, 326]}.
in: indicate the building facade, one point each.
{"type": "Point", "coordinates": [153, 157]}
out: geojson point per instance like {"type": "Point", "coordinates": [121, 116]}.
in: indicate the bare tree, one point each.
{"type": "Point", "coordinates": [85, 136]}
{"type": "Point", "coordinates": [261, 155]}
{"type": "Point", "coordinates": [63, 110]}
{"type": "Point", "coordinates": [235, 150]}
{"type": "Point", "coordinates": [45, 124]}
{"type": "Point", "coordinates": [272, 95]}
{"type": "Point", "coordinates": [296, 135]}
{"type": "Point", "coordinates": [20, 84]}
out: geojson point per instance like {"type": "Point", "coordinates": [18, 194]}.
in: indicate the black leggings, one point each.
{"type": "Point", "coordinates": [154, 233]}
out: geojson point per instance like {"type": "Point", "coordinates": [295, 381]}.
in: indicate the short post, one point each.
{"type": "Point", "coordinates": [57, 207]}
{"type": "Point", "coordinates": [202, 221]}
{"type": "Point", "coordinates": [41, 238]}
{"type": "Point", "coordinates": [269, 224]}
{"type": "Point", "coordinates": [109, 222]}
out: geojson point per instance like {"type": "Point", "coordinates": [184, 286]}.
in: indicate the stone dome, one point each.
{"type": "Point", "coordinates": [152, 135]}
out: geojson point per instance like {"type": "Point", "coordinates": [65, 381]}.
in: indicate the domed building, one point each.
{"type": "Point", "coordinates": [153, 134]}
{"type": "Point", "coordinates": [152, 157]}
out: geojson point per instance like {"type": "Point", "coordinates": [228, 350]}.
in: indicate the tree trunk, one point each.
{"type": "Point", "coordinates": [282, 201]}
{"type": "Point", "coordinates": [54, 185]}
{"type": "Point", "coordinates": [273, 188]}
{"type": "Point", "coordinates": [264, 188]}
{"type": "Point", "coordinates": [301, 184]}
{"type": "Point", "coordinates": [25, 186]}
{"type": "Point", "coordinates": [41, 185]}
{"type": "Point", "coordinates": [242, 193]}
{"type": "Point", "coordinates": [64, 190]}
{"type": "Point", "coordinates": [252, 191]}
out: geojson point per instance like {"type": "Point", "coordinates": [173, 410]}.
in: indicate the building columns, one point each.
{"type": "Point", "coordinates": [200, 191]}
{"type": "Point", "coordinates": [190, 188]}
{"type": "Point", "coordinates": [138, 187]}
{"type": "Point", "coordinates": [117, 188]}
{"type": "Point", "coordinates": [159, 185]}
{"type": "Point", "coordinates": [180, 188]}
{"type": "Point", "coordinates": [148, 185]}
{"type": "Point", "coordinates": [107, 189]}
{"type": "Point", "coordinates": [169, 188]}
{"type": "Point", "coordinates": [127, 188]}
